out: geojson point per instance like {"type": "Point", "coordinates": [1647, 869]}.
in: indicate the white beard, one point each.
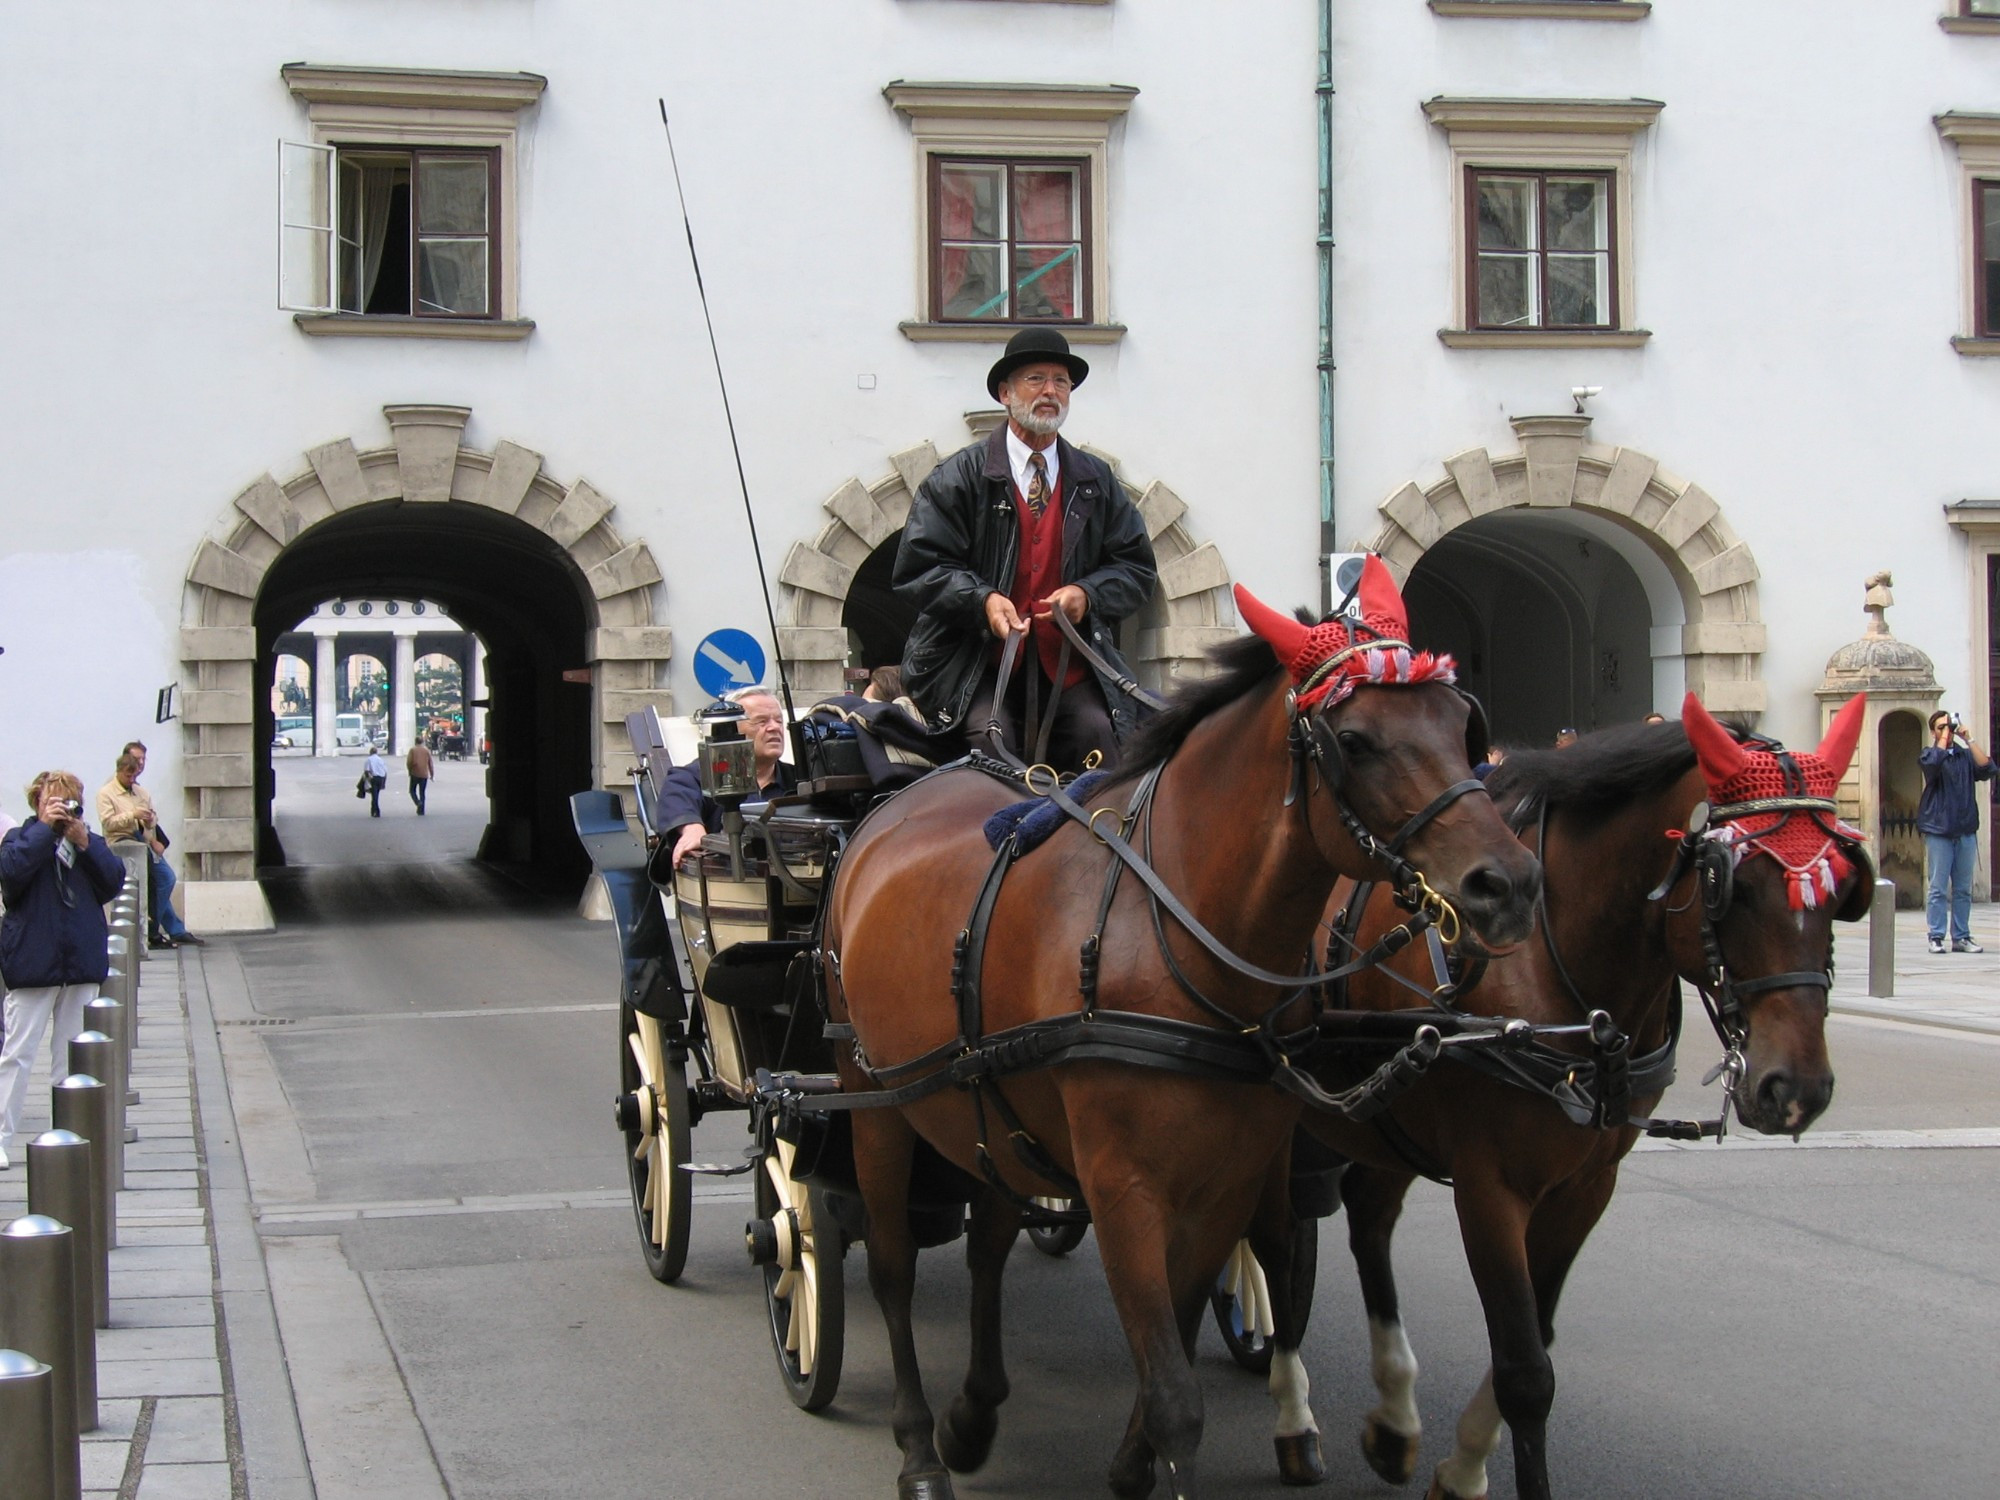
{"type": "Point", "coordinates": [1024, 416]}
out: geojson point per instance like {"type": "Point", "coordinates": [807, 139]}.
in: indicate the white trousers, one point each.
{"type": "Point", "coordinates": [27, 1016]}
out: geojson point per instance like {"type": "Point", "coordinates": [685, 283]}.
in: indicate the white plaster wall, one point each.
{"type": "Point", "coordinates": [1799, 261]}
{"type": "Point", "coordinates": [151, 375]}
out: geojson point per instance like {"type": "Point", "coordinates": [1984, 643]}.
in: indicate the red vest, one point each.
{"type": "Point", "coordinates": [1038, 574]}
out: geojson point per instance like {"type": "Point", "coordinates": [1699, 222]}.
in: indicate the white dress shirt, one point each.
{"type": "Point", "coordinates": [1018, 454]}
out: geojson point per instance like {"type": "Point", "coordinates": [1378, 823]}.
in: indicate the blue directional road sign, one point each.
{"type": "Point", "coordinates": [726, 660]}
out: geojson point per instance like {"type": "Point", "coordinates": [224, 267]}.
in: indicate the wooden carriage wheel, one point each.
{"type": "Point", "coordinates": [805, 1285]}
{"type": "Point", "coordinates": [1241, 1300]}
{"type": "Point", "coordinates": [654, 1109]}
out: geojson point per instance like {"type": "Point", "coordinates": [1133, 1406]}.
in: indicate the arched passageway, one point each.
{"type": "Point", "coordinates": [1551, 619]}
{"type": "Point", "coordinates": [513, 587]}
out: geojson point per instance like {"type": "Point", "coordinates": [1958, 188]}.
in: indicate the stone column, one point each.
{"type": "Point", "coordinates": [325, 703]}
{"type": "Point", "coordinates": [403, 690]}
{"type": "Point", "coordinates": [475, 689]}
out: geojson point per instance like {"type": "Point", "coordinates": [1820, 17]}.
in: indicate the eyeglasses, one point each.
{"type": "Point", "coordinates": [1050, 382]}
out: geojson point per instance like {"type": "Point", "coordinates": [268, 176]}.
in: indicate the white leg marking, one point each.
{"type": "Point", "coordinates": [1394, 1366]}
{"type": "Point", "coordinates": [1464, 1473]}
{"type": "Point", "coordinates": [1292, 1390]}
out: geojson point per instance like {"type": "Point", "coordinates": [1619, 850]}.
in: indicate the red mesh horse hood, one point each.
{"type": "Point", "coordinates": [1800, 841]}
{"type": "Point", "coordinates": [1328, 661]}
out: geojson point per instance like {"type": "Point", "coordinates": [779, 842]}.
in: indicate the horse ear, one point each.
{"type": "Point", "coordinates": [1722, 759]}
{"type": "Point", "coordinates": [1842, 735]}
{"type": "Point", "coordinates": [1381, 601]}
{"type": "Point", "coordinates": [1282, 633]}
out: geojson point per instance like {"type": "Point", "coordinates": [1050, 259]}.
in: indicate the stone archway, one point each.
{"type": "Point", "coordinates": [626, 650]}
{"type": "Point", "coordinates": [1191, 610]}
{"type": "Point", "coordinates": [1712, 567]}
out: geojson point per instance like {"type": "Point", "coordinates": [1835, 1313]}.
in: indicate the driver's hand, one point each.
{"type": "Point", "coordinates": [688, 838]}
{"type": "Point", "coordinates": [1070, 599]}
{"type": "Point", "coordinates": [1001, 616]}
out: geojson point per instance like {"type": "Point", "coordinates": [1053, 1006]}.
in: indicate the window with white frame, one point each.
{"type": "Point", "coordinates": [1011, 207]}
{"type": "Point", "coordinates": [1542, 213]}
{"type": "Point", "coordinates": [1976, 139]}
{"type": "Point", "coordinates": [399, 217]}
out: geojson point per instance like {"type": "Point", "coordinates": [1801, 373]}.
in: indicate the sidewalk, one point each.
{"type": "Point", "coordinates": [1959, 990]}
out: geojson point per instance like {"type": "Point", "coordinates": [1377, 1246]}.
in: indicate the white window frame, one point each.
{"type": "Point", "coordinates": [1976, 138]}
{"type": "Point", "coordinates": [1014, 122]}
{"type": "Point", "coordinates": [328, 205]}
{"type": "Point", "coordinates": [414, 108]}
{"type": "Point", "coordinates": [1545, 135]}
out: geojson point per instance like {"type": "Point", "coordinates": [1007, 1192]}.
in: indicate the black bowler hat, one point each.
{"type": "Point", "coordinates": [1034, 346]}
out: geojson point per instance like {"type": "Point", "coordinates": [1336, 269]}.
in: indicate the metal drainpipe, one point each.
{"type": "Point", "coordinates": [1326, 473]}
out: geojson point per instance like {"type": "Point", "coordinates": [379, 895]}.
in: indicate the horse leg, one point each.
{"type": "Point", "coordinates": [884, 1145]}
{"type": "Point", "coordinates": [1274, 1239]}
{"type": "Point", "coordinates": [1520, 1389]}
{"type": "Point", "coordinates": [1390, 1433]}
{"type": "Point", "coordinates": [965, 1436]}
{"type": "Point", "coordinates": [1132, 1238]}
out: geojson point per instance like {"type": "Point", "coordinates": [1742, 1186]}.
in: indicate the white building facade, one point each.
{"type": "Point", "coordinates": [492, 387]}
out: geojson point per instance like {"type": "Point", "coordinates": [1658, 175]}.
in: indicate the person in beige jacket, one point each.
{"type": "Point", "coordinates": [418, 764]}
{"type": "Point", "coordinates": [125, 811]}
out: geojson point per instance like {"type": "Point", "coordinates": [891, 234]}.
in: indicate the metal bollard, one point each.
{"type": "Point", "coordinates": [115, 988]}
{"type": "Point", "coordinates": [111, 1017]}
{"type": "Point", "coordinates": [95, 1053]}
{"type": "Point", "coordinates": [83, 1105]}
{"type": "Point", "coordinates": [60, 1185]}
{"type": "Point", "coordinates": [27, 1426]}
{"type": "Point", "coordinates": [38, 1317]}
{"type": "Point", "coordinates": [1882, 941]}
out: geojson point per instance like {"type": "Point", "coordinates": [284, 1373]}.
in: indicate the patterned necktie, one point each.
{"type": "Point", "coordinates": [1038, 483]}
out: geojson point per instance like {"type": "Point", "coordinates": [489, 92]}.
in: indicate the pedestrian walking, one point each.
{"type": "Point", "coordinates": [55, 876]}
{"type": "Point", "coordinates": [1948, 818]}
{"type": "Point", "coordinates": [375, 776]}
{"type": "Point", "coordinates": [125, 811]}
{"type": "Point", "coordinates": [418, 763]}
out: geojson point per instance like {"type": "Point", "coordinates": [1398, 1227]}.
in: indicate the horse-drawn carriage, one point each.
{"type": "Point", "coordinates": [753, 980]}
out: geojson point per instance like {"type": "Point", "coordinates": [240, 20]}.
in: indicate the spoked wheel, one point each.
{"type": "Point", "coordinates": [1056, 1239]}
{"type": "Point", "coordinates": [1242, 1298]}
{"type": "Point", "coordinates": [799, 1246]}
{"type": "Point", "coordinates": [653, 1113]}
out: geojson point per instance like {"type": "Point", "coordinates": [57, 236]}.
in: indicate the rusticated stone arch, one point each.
{"type": "Point", "coordinates": [1723, 637]}
{"type": "Point", "coordinates": [424, 463]}
{"type": "Point", "coordinates": [1191, 610]}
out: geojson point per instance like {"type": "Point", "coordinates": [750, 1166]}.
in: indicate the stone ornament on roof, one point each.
{"type": "Point", "coordinates": [1878, 662]}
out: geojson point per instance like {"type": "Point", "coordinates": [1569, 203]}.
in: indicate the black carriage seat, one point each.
{"type": "Point", "coordinates": [650, 978]}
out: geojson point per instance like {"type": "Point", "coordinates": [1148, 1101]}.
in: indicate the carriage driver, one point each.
{"type": "Point", "coordinates": [1003, 534]}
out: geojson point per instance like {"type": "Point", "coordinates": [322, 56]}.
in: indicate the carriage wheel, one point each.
{"type": "Point", "coordinates": [653, 1109]}
{"type": "Point", "coordinates": [1242, 1298]}
{"type": "Point", "coordinates": [1056, 1239]}
{"type": "Point", "coordinates": [805, 1285]}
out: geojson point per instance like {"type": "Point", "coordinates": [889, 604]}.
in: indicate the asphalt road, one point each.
{"type": "Point", "coordinates": [1770, 1323]}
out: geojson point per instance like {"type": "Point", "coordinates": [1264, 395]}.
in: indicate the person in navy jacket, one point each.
{"type": "Point", "coordinates": [1948, 818]}
{"type": "Point", "coordinates": [55, 876]}
{"type": "Point", "coordinates": [684, 812]}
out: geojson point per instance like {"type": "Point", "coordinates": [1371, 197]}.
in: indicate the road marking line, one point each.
{"type": "Point", "coordinates": [1971, 1138]}
{"type": "Point", "coordinates": [274, 1215]}
{"type": "Point", "coordinates": [329, 1023]}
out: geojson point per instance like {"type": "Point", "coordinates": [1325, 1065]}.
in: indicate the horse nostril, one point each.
{"type": "Point", "coordinates": [1487, 885]}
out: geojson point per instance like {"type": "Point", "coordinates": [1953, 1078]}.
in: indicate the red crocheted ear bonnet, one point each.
{"type": "Point", "coordinates": [1813, 860]}
{"type": "Point", "coordinates": [1328, 661]}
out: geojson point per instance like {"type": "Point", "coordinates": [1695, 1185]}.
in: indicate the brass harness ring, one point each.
{"type": "Point", "coordinates": [1028, 774]}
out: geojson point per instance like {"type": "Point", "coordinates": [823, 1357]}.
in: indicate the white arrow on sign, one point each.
{"type": "Point", "coordinates": [738, 671]}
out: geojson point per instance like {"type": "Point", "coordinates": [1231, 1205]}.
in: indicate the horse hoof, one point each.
{"type": "Point", "coordinates": [1134, 1484]}
{"type": "Point", "coordinates": [1299, 1460]}
{"type": "Point", "coordinates": [1439, 1491]}
{"type": "Point", "coordinates": [924, 1487]}
{"type": "Point", "coordinates": [964, 1440]}
{"type": "Point", "coordinates": [1390, 1453]}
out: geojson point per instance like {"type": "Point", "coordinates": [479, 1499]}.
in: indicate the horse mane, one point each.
{"type": "Point", "coordinates": [1241, 667]}
{"type": "Point", "coordinates": [1602, 771]}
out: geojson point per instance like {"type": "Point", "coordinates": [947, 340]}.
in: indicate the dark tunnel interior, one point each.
{"type": "Point", "coordinates": [520, 593]}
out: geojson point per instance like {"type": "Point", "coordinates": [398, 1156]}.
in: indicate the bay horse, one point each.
{"type": "Point", "coordinates": [1740, 908]}
{"type": "Point", "coordinates": [1309, 754]}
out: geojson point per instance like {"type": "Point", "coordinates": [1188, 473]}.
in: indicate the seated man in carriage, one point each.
{"type": "Point", "coordinates": [1004, 534]}
{"type": "Point", "coordinates": [685, 812]}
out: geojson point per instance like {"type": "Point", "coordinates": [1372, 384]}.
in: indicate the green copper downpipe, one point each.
{"type": "Point", "coordinates": [1325, 91]}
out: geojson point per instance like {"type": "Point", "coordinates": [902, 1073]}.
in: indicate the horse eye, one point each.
{"type": "Point", "coordinates": [1351, 743]}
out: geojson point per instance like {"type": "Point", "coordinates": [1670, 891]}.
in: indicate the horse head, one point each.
{"type": "Point", "coordinates": [1383, 744]}
{"type": "Point", "coordinates": [1773, 868]}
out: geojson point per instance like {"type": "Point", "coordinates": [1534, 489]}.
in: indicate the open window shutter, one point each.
{"type": "Point", "coordinates": [305, 227]}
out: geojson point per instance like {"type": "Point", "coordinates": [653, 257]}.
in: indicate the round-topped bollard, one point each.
{"type": "Point", "coordinates": [38, 1317]}
{"type": "Point", "coordinates": [81, 1104]}
{"type": "Point", "coordinates": [27, 1426]}
{"type": "Point", "coordinates": [60, 1185]}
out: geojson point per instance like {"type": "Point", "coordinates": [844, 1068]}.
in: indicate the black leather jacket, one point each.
{"type": "Point", "coordinates": [962, 542]}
